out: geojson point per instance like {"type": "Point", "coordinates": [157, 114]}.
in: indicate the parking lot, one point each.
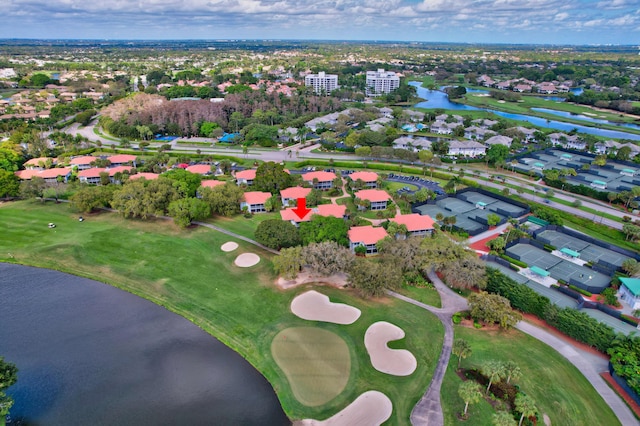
{"type": "Point", "coordinates": [417, 181]}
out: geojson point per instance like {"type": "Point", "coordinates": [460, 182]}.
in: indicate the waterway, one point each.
{"type": "Point", "coordinates": [89, 353]}
{"type": "Point", "coordinates": [438, 99]}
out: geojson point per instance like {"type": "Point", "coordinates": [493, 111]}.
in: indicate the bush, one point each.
{"type": "Point", "coordinates": [581, 291]}
{"type": "Point", "coordinates": [514, 261]}
{"type": "Point", "coordinates": [549, 247]}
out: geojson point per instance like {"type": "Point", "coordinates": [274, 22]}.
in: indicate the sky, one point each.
{"type": "Point", "coordinates": [485, 21]}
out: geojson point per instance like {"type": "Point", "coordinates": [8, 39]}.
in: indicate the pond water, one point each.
{"type": "Point", "coordinates": [437, 99]}
{"type": "Point", "coordinates": [584, 118]}
{"type": "Point", "coordinates": [89, 353]}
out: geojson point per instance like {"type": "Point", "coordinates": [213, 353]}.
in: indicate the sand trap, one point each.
{"type": "Point", "coordinates": [314, 306]}
{"type": "Point", "coordinates": [246, 260]}
{"type": "Point", "coordinates": [370, 408]}
{"type": "Point", "coordinates": [229, 246]}
{"type": "Point", "coordinates": [398, 362]}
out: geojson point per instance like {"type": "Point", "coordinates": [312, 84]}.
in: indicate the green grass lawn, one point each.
{"type": "Point", "coordinates": [242, 225]}
{"type": "Point", "coordinates": [558, 388]}
{"type": "Point", "coordinates": [393, 187]}
{"type": "Point", "coordinates": [186, 272]}
{"type": "Point", "coordinates": [430, 296]}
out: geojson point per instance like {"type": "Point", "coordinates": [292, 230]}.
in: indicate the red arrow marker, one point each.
{"type": "Point", "coordinates": [302, 210]}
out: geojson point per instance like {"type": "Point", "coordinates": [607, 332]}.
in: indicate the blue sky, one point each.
{"type": "Point", "coordinates": [488, 21]}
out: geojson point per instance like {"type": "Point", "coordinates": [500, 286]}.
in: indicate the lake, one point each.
{"type": "Point", "coordinates": [89, 353]}
{"type": "Point", "coordinates": [438, 99]}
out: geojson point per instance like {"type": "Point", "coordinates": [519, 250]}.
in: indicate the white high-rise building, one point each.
{"type": "Point", "coordinates": [381, 81]}
{"type": "Point", "coordinates": [322, 83]}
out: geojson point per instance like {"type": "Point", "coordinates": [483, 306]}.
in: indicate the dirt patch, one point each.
{"type": "Point", "coordinates": [306, 277]}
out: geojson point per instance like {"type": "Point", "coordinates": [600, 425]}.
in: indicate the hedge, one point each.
{"type": "Point", "coordinates": [514, 261]}
{"type": "Point", "coordinates": [581, 291]}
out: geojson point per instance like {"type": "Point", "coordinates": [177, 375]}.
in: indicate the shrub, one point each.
{"type": "Point", "coordinates": [514, 261]}
{"type": "Point", "coordinates": [581, 291]}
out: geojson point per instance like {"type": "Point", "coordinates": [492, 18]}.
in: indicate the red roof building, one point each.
{"type": "Point", "coordinates": [245, 176]}
{"type": "Point", "coordinates": [291, 216]}
{"type": "Point", "coordinates": [119, 169]}
{"type": "Point", "coordinates": [254, 201]}
{"type": "Point", "coordinates": [91, 175]}
{"type": "Point", "coordinates": [27, 174]}
{"type": "Point", "coordinates": [145, 175]}
{"type": "Point", "coordinates": [83, 162]}
{"type": "Point", "coordinates": [416, 224]}
{"type": "Point", "coordinates": [376, 197]}
{"type": "Point", "coordinates": [120, 159]}
{"type": "Point", "coordinates": [211, 183]}
{"type": "Point", "coordinates": [366, 236]}
{"type": "Point", "coordinates": [292, 194]}
{"type": "Point", "coordinates": [38, 163]}
{"type": "Point", "coordinates": [52, 175]}
{"type": "Point", "coordinates": [324, 179]}
{"type": "Point", "coordinates": [200, 169]}
{"type": "Point", "coordinates": [370, 179]}
{"type": "Point", "coordinates": [334, 210]}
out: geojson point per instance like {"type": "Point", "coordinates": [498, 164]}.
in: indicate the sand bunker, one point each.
{"type": "Point", "coordinates": [245, 260]}
{"type": "Point", "coordinates": [307, 277]}
{"type": "Point", "coordinates": [370, 408]}
{"type": "Point", "coordinates": [314, 306]}
{"type": "Point", "coordinates": [398, 362]}
{"type": "Point", "coordinates": [229, 246]}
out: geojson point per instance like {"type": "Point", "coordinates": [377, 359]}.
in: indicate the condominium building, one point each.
{"type": "Point", "coordinates": [322, 83]}
{"type": "Point", "coordinates": [381, 81]}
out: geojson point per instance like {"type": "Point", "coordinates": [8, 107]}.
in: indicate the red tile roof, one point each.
{"type": "Point", "coordinates": [249, 174]}
{"type": "Point", "coordinates": [113, 170]}
{"type": "Point", "coordinates": [199, 169]}
{"type": "Point", "coordinates": [295, 192]}
{"type": "Point", "coordinates": [373, 195]}
{"type": "Point", "coordinates": [86, 159]}
{"type": "Point", "coordinates": [321, 176]}
{"type": "Point", "coordinates": [256, 197]}
{"type": "Point", "coordinates": [414, 221]}
{"type": "Point", "coordinates": [364, 176]}
{"type": "Point", "coordinates": [36, 161]}
{"type": "Point", "coordinates": [289, 214]}
{"type": "Point", "coordinates": [91, 173]}
{"type": "Point", "coordinates": [334, 210]}
{"type": "Point", "coordinates": [27, 174]}
{"type": "Point", "coordinates": [54, 173]}
{"type": "Point", "coordinates": [121, 158]}
{"type": "Point", "coordinates": [211, 183]}
{"type": "Point", "coordinates": [366, 234]}
{"type": "Point", "coordinates": [146, 175]}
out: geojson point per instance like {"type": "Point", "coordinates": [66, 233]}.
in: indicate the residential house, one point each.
{"type": "Point", "coordinates": [629, 291]}
{"type": "Point", "coordinates": [290, 215]}
{"type": "Point", "coordinates": [39, 163]}
{"type": "Point", "coordinates": [607, 147]}
{"type": "Point", "coordinates": [113, 171]}
{"type": "Point", "coordinates": [200, 169]}
{"type": "Point", "coordinates": [499, 140]}
{"type": "Point", "coordinates": [52, 175]}
{"type": "Point", "coordinates": [417, 224]}
{"type": "Point", "coordinates": [320, 180]}
{"type": "Point", "coordinates": [334, 210]}
{"type": "Point", "coordinates": [122, 160]}
{"type": "Point", "coordinates": [366, 236]}
{"type": "Point", "coordinates": [254, 201]}
{"type": "Point", "coordinates": [478, 133]}
{"type": "Point", "coordinates": [245, 177]}
{"type": "Point", "coordinates": [91, 176]}
{"type": "Point", "coordinates": [528, 134]}
{"type": "Point", "coordinates": [522, 88]}
{"type": "Point", "coordinates": [146, 175]}
{"type": "Point", "coordinates": [466, 148]}
{"type": "Point", "coordinates": [27, 174]}
{"type": "Point", "coordinates": [485, 123]}
{"type": "Point", "coordinates": [411, 144]}
{"type": "Point", "coordinates": [83, 163]}
{"type": "Point", "coordinates": [415, 116]}
{"type": "Point", "coordinates": [443, 128]}
{"type": "Point", "coordinates": [370, 179]}
{"type": "Point", "coordinates": [376, 197]}
{"type": "Point", "coordinates": [290, 195]}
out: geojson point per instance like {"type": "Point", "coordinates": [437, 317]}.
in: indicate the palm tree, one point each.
{"type": "Point", "coordinates": [470, 392]}
{"type": "Point", "coordinates": [450, 186]}
{"type": "Point", "coordinates": [512, 371]}
{"type": "Point", "coordinates": [502, 418]}
{"type": "Point", "coordinates": [526, 405]}
{"type": "Point", "coordinates": [461, 349]}
{"type": "Point", "coordinates": [439, 217]}
{"type": "Point", "coordinates": [493, 370]}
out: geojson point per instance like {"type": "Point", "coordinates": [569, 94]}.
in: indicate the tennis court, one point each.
{"type": "Point", "coordinates": [616, 324]}
{"type": "Point", "coordinates": [533, 256]}
{"type": "Point", "coordinates": [594, 281]}
{"type": "Point", "coordinates": [474, 197]}
{"type": "Point", "coordinates": [601, 254]}
{"type": "Point", "coordinates": [456, 206]}
{"type": "Point", "coordinates": [560, 240]}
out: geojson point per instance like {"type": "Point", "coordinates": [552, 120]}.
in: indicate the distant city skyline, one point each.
{"type": "Point", "coordinates": [465, 21]}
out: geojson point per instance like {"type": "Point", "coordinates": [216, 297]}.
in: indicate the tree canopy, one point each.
{"type": "Point", "coordinates": [271, 177]}
{"type": "Point", "coordinates": [277, 234]}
